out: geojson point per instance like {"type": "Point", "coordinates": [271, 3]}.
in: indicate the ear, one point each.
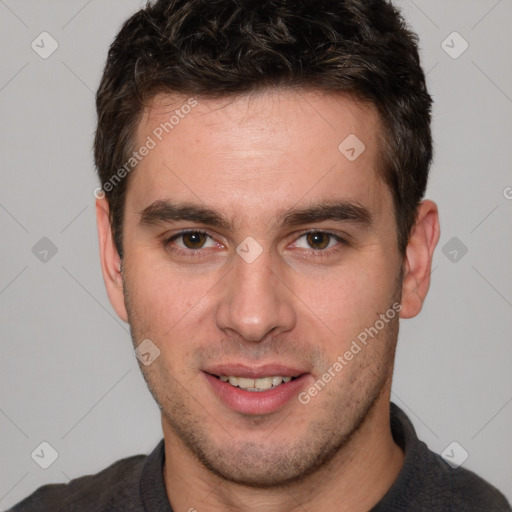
{"type": "Point", "coordinates": [418, 259]}
{"type": "Point", "coordinates": [110, 260]}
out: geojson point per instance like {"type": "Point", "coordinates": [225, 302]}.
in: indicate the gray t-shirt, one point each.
{"type": "Point", "coordinates": [135, 484]}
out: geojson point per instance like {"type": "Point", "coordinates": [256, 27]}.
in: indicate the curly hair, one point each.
{"type": "Point", "coordinates": [217, 48]}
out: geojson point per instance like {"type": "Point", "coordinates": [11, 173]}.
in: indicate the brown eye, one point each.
{"type": "Point", "coordinates": [191, 241]}
{"type": "Point", "coordinates": [318, 240]}
{"type": "Point", "coordinates": [321, 243]}
{"type": "Point", "coordinates": [194, 239]}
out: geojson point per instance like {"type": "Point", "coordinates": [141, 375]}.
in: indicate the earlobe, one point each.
{"type": "Point", "coordinates": [110, 260]}
{"type": "Point", "coordinates": [418, 259]}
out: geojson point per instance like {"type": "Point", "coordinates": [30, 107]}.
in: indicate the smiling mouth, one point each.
{"type": "Point", "coordinates": [259, 384]}
{"type": "Point", "coordinates": [256, 391]}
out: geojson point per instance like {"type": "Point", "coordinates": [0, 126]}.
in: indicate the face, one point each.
{"type": "Point", "coordinates": [255, 248]}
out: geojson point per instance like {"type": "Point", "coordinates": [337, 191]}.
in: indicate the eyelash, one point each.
{"type": "Point", "coordinates": [317, 253]}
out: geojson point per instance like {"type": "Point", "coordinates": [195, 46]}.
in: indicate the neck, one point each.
{"type": "Point", "coordinates": [355, 479]}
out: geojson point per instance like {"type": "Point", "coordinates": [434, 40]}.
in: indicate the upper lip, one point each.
{"type": "Point", "coordinates": [255, 372]}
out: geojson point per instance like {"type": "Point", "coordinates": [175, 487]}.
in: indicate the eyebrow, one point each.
{"type": "Point", "coordinates": [162, 211]}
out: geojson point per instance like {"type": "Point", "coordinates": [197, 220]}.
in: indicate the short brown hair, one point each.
{"type": "Point", "coordinates": [216, 48]}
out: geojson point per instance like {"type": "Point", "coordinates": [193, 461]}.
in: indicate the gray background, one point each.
{"type": "Point", "coordinates": [68, 375]}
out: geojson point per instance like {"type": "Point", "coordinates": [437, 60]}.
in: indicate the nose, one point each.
{"type": "Point", "coordinates": [255, 301]}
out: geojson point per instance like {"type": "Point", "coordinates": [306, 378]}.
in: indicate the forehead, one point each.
{"type": "Point", "coordinates": [249, 153]}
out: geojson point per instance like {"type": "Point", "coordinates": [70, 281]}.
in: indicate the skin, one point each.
{"type": "Point", "coordinates": [299, 303]}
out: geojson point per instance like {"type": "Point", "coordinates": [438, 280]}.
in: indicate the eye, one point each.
{"type": "Point", "coordinates": [319, 240]}
{"type": "Point", "coordinates": [191, 240]}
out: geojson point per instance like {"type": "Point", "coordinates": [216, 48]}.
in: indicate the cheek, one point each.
{"type": "Point", "coordinates": [169, 306]}
{"type": "Point", "coordinates": [160, 288]}
{"type": "Point", "coordinates": [350, 296]}
{"type": "Point", "coordinates": [164, 308]}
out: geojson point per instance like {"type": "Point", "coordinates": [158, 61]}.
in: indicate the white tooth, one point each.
{"type": "Point", "coordinates": [244, 382]}
{"type": "Point", "coordinates": [233, 381]}
{"type": "Point", "coordinates": [260, 384]}
{"type": "Point", "coordinates": [263, 383]}
{"type": "Point", "coordinates": [276, 381]}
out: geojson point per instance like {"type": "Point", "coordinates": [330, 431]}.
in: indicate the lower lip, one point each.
{"type": "Point", "coordinates": [256, 402]}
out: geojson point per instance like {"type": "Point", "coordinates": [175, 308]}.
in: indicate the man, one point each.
{"type": "Point", "coordinates": [262, 229]}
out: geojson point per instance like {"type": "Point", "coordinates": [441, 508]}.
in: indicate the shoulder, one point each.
{"type": "Point", "coordinates": [460, 489]}
{"type": "Point", "coordinates": [432, 484]}
{"type": "Point", "coordinates": [427, 482]}
{"type": "Point", "coordinates": [469, 491]}
{"type": "Point", "coordinates": [114, 488]}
